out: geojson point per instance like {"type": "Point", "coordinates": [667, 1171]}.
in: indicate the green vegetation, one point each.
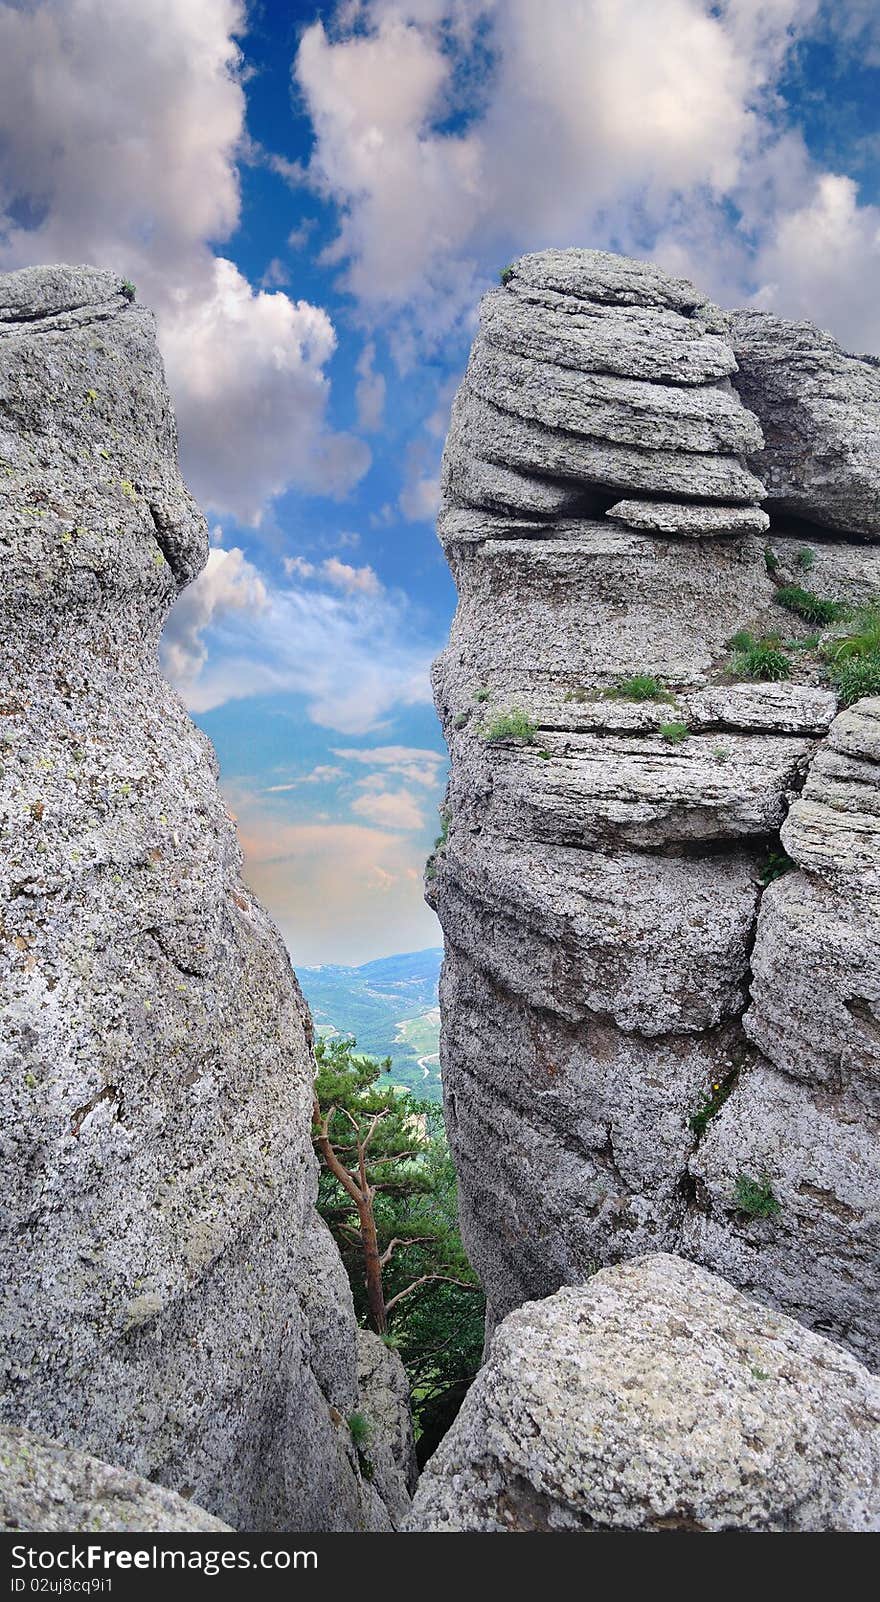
{"type": "Point", "coordinates": [771, 560]}
{"type": "Point", "coordinates": [460, 721]}
{"type": "Point", "coordinates": [390, 1006]}
{"type": "Point", "coordinates": [805, 559]}
{"type": "Point", "coordinates": [721, 754]}
{"type": "Point", "coordinates": [483, 694]}
{"type": "Point", "coordinates": [755, 1197]}
{"type": "Point", "coordinates": [512, 725]}
{"type": "Point", "coordinates": [809, 606]}
{"type": "Point", "coordinates": [640, 687]}
{"type": "Point", "coordinates": [807, 642]}
{"type": "Point", "coordinates": [854, 657]}
{"type": "Point", "coordinates": [505, 275]}
{"type": "Point", "coordinates": [674, 733]}
{"type": "Point", "coordinates": [128, 289]}
{"type": "Point", "coordinates": [856, 678]}
{"type": "Point", "coordinates": [359, 1426]}
{"type": "Point", "coordinates": [712, 1102]}
{"type": "Point", "coordinates": [759, 659]}
{"type": "Point", "coordinates": [777, 864]}
{"type": "Point", "coordinates": [387, 1192]}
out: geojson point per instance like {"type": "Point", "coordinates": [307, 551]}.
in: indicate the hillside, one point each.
{"type": "Point", "coordinates": [390, 1006]}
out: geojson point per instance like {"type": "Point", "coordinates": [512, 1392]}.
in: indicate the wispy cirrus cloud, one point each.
{"type": "Point", "coordinates": [355, 655]}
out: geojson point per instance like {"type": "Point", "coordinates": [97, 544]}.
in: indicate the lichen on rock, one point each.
{"type": "Point", "coordinates": [656, 1397]}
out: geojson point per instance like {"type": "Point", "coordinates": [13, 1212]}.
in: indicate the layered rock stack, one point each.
{"type": "Point", "coordinates": [650, 1042]}
{"type": "Point", "coordinates": [171, 1303]}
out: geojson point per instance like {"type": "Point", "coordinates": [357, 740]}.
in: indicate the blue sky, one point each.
{"type": "Point", "coordinates": [312, 198]}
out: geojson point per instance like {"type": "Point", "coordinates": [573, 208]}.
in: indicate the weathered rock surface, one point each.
{"type": "Point", "coordinates": [44, 1486]}
{"type": "Point", "coordinates": [670, 517]}
{"type": "Point", "coordinates": [657, 1397]}
{"type": "Point", "coordinates": [639, 1019]}
{"type": "Point", "coordinates": [819, 407]}
{"type": "Point", "coordinates": [170, 1302]}
{"type": "Point", "coordinates": [383, 1400]}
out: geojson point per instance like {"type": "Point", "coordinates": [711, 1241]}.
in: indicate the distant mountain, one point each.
{"type": "Point", "coordinates": [391, 1006]}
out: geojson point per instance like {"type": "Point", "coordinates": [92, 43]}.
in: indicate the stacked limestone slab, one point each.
{"type": "Point", "coordinates": [601, 888]}
{"type": "Point", "coordinates": [171, 1302]}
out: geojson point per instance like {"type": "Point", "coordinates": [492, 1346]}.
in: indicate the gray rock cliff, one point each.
{"type": "Point", "coordinates": [639, 1029]}
{"type": "Point", "coordinates": [171, 1302]}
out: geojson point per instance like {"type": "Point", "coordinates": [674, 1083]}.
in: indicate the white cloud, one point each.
{"type": "Point", "coordinates": [823, 262]}
{"type": "Point", "coordinates": [352, 580]}
{"type": "Point", "coordinates": [342, 576]}
{"type": "Point", "coordinates": [322, 774]}
{"type": "Point", "coordinates": [299, 567]}
{"type": "Point", "coordinates": [393, 809]}
{"type": "Point", "coordinates": [120, 124]}
{"type": "Point", "coordinates": [452, 134]}
{"type": "Point", "coordinates": [415, 764]}
{"type": "Point", "coordinates": [339, 892]}
{"type": "Point", "coordinates": [247, 372]}
{"type": "Point", "coordinates": [228, 584]}
{"type": "Point", "coordinates": [355, 656]}
{"type": "Point", "coordinates": [369, 391]}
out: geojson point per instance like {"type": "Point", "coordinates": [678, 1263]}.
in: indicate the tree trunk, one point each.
{"type": "Point", "coordinates": [372, 1265]}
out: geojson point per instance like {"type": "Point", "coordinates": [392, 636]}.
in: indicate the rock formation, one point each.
{"type": "Point", "coordinates": [50, 1487]}
{"type": "Point", "coordinates": [646, 1044]}
{"type": "Point", "coordinates": [656, 1397]}
{"type": "Point", "coordinates": [171, 1302]}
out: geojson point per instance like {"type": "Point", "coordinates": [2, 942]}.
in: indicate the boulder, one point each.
{"type": "Point", "coordinates": [819, 407]}
{"type": "Point", "coordinates": [657, 1397]}
{"type": "Point", "coordinates": [48, 1487]}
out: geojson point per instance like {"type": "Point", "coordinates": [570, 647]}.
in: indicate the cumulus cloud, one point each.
{"type": "Point", "coordinates": [120, 124]}
{"type": "Point", "coordinates": [822, 261]}
{"type": "Point", "coordinates": [394, 809]}
{"type": "Point", "coordinates": [353, 580]}
{"type": "Point", "coordinates": [247, 372]}
{"type": "Point", "coordinates": [228, 584]}
{"type": "Point", "coordinates": [341, 575]}
{"type": "Point", "coordinates": [354, 655]}
{"type": "Point", "coordinates": [454, 133]}
{"type": "Point", "coordinates": [339, 892]}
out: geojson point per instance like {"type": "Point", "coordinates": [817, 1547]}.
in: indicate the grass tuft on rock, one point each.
{"type": "Point", "coordinates": [809, 606]}
{"type": "Point", "coordinates": [512, 725]}
{"type": "Point", "coordinates": [759, 659]}
{"type": "Point", "coordinates": [674, 733]}
{"type": "Point", "coordinates": [640, 687]}
{"type": "Point", "coordinates": [755, 1197]}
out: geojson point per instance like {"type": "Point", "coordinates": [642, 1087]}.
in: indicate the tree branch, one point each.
{"type": "Point", "coordinates": [423, 1280]}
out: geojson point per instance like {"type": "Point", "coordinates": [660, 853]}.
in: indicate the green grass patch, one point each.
{"type": "Point", "coordinates": [755, 1197]}
{"type": "Point", "coordinates": [712, 1102]}
{"type": "Point", "coordinates": [759, 659]}
{"type": "Point", "coordinates": [640, 687]}
{"type": "Point", "coordinates": [512, 725]}
{"type": "Point", "coordinates": [674, 733]}
{"type": "Point", "coordinates": [809, 606]}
